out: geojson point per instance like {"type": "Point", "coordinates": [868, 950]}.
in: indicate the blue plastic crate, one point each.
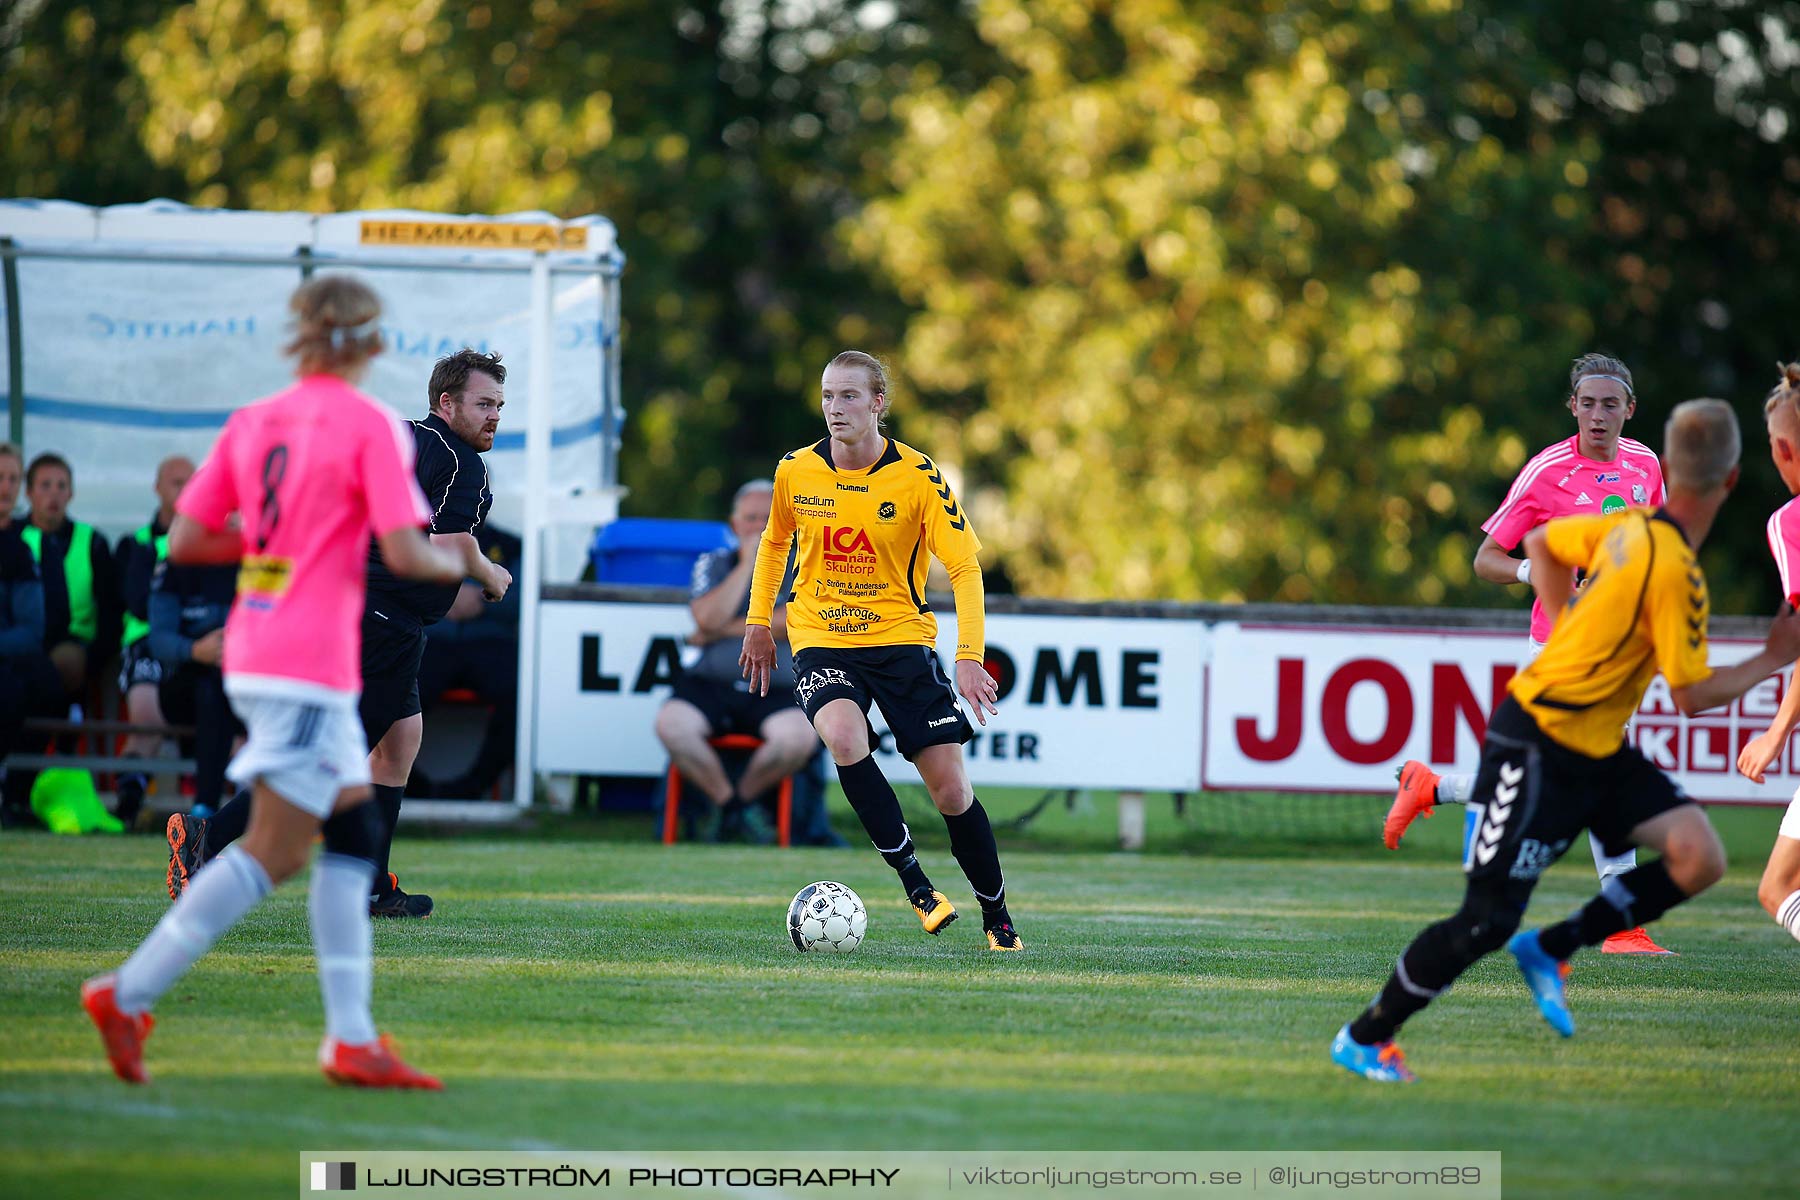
{"type": "Point", "coordinates": [654, 551]}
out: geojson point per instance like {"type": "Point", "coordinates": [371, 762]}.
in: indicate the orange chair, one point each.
{"type": "Point", "coordinates": [784, 796]}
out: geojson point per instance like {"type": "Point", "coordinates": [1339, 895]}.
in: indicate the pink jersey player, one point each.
{"type": "Point", "coordinates": [310, 473]}
{"type": "Point", "coordinates": [298, 615]}
{"type": "Point", "coordinates": [1779, 890]}
{"type": "Point", "coordinates": [1784, 544]}
{"type": "Point", "coordinates": [1562, 481]}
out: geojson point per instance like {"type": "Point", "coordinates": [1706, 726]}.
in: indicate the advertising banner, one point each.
{"type": "Point", "coordinates": [1084, 701]}
{"type": "Point", "coordinates": [1293, 707]}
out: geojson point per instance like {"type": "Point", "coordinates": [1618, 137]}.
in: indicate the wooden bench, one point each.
{"type": "Point", "coordinates": [109, 764]}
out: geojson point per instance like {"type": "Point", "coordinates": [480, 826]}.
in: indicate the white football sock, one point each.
{"type": "Point", "coordinates": [1607, 865]}
{"type": "Point", "coordinates": [339, 906]}
{"type": "Point", "coordinates": [1455, 789]}
{"type": "Point", "coordinates": [1788, 914]}
{"type": "Point", "coordinates": [215, 899]}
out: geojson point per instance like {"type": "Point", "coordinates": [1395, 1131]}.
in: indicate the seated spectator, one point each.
{"type": "Point", "coordinates": [712, 699]}
{"type": "Point", "coordinates": [12, 477]}
{"type": "Point", "coordinates": [28, 683]}
{"type": "Point", "coordinates": [140, 673]}
{"type": "Point", "coordinates": [476, 647]}
{"type": "Point", "coordinates": [81, 595]}
{"type": "Point", "coordinates": [188, 607]}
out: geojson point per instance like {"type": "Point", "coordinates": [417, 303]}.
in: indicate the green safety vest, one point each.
{"type": "Point", "coordinates": [134, 628]}
{"type": "Point", "coordinates": [78, 572]}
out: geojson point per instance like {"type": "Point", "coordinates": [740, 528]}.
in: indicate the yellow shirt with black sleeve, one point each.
{"type": "Point", "coordinates": [865, 540]}
{"type": "Point", "coordinates": [1643, 609]}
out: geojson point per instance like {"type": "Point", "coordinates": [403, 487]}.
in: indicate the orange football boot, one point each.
{"type": "Point", "coordinates": [1415, 799]}
{"type": "Point", "coordinates": [1632, 941]}
{"type": "Point", "coordinates": [123, 1032]}
{"type": "Point", "coordinates": [373, 1064]}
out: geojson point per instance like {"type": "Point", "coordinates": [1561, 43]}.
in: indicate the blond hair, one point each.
{"type": "Point", "coordinates": [1701, 446]}
{"type": "Point", "coordinates": [878, 376]}
{"type": "Point", "coordinates": [1786, 389]}
{"type": "Point", "coordinates": [336, 326]}
{"type": "Point", "coordinates": [8, 450]}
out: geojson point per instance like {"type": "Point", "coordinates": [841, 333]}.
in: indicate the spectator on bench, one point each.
{"type": "Point", "coordinates": [12, 478]}
{"type": "Point", "coordinates": [188, 607]}
{"type": "Point", "coordinates": [137, 556]}
{"type": "Point", "coordinates": [476, 646]}
{"type": "Point", "coordinates": [28, 683]}
{"type": "Point", "coordinates": [81, 595]}
{"type": "Point", "coordinates": [711, 698]}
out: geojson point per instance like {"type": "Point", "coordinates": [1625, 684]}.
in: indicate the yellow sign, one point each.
{"type": "Point", "coordinates": [473, 235]}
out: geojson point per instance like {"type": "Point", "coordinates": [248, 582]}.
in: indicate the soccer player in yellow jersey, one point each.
{"type": "Point", "coordinates": [869, 514]}
{"type": "Point", "coordinates": [1554, 760]}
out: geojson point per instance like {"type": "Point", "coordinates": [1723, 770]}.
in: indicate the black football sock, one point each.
{"type": "Point", "coordinates": [130, 791]}
{"type": "Point", "coordinates": [1424, 971]}
{"type": "Point", "coordinates": [972, 842]}
{"type": "Point", "coordinates": [226, 826]}
{"type": "Point", "coordinates": [387, 799]}
{"type": "Point", "coordinates": [1637, 897]}
{"type": "Point", "coordinates": [872, 796]}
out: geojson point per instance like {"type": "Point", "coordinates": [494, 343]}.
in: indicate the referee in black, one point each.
{"type": "Point", "coordinates": [466, 394]}
{"type": "Point", "coordinates": [466, 398]}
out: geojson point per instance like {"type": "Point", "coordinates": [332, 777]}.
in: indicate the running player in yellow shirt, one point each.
{"type": "Point", "coordinates": [869, 515]}
{"type": "Point", "coordinates": [1555, 760]}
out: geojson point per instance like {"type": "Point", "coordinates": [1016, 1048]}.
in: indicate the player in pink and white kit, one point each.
{"type": "Point", "coordinates": [1779, 892]}
{"type": "Point", "coordinates": [1597, 471]}
{"type": "Point", "coordinates": [309, 474]}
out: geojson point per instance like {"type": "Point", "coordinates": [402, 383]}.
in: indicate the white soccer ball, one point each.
{"type": "Point", "coordinates": [827, 916]}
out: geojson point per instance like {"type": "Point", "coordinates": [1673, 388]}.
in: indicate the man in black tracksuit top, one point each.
{"type": "Point", "coordinates": [466, 399]}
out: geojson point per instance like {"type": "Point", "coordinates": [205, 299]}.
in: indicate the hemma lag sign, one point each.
{"type": "Point", "coordinates": [1315, 708]}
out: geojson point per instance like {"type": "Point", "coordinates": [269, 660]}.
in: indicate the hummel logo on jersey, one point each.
{"type": "Point", "coordinates": [1493, 821]}
{"type": "Point", "coordinates": [1584, 498]}
{"type": "Point", "coordinates": [824, 677]}
{"type": "Point", "coordinates": [941, 721]}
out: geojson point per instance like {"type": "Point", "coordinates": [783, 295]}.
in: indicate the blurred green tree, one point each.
{"type": "Point", "coordinates": [1261, 300]}
{"type": "Point", "coordinates": [725, 141]}
{"type": "Point", "coordinates": [1269, 301]}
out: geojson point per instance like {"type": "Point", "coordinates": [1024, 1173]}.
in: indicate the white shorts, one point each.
{"type": "Point", "coordinates": [1790, 824]}
{"type": "Point", "coordinates": [305, 744]}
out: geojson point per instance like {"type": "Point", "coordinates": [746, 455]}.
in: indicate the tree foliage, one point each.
{"type": "Point", "coordinates": [1270, 301]}
{"type": "Point", "coordinates": [1261, 300]}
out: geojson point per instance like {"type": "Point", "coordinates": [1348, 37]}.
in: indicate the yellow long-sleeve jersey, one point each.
{"type": "Point", "coordinates": [865, 543]}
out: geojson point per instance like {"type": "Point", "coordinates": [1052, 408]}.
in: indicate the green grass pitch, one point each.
{"type": "Point", "coordinates": [599, 994]}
